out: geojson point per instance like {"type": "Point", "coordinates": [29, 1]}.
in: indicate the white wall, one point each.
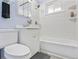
{"type": "Point", "coordinates": [58, 25]}
{"type": "Point", "coordinates": [14, 19]}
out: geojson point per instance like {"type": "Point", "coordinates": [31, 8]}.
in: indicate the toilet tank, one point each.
{"type": "Point", "coordinates": [30, 38]}
{"type": "Point", "coordinates": [7, 37]}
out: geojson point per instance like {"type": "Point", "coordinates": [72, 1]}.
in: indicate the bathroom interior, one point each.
{"type": "Point", "coordinates": [38, 29]}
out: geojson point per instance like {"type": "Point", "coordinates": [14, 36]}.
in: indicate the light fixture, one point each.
{"type": "Point", "coordinates": [30, 0]}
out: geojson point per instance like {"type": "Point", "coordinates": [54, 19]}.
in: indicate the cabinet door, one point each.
{"type": "Point", "coordinates": [30, 38]}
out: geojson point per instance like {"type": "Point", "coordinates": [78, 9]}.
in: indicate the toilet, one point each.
{"type": "Point", "coordinates": [28, 45]}
{"type": "Point", "coordinates": [17, 51]}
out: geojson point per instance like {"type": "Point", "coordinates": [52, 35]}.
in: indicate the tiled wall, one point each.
{"type": "Point", "coordinates": [58, 25]}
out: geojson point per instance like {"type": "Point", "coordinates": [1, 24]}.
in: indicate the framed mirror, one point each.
{"type": "Point", "coordinates": [24, 8]}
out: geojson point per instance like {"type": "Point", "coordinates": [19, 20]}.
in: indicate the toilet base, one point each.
{"type": "Point", "coordinates": [7, 56]}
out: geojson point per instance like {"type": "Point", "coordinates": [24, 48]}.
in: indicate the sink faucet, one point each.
{"type": "Point", "coordinates": [29, 21]}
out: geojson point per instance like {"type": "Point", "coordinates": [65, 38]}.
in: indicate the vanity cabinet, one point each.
{"type": "Point", "coordinates": [30, 38]}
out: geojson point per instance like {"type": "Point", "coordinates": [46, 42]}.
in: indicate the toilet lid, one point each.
{"type": "Point", "coordinates": [17, 50]}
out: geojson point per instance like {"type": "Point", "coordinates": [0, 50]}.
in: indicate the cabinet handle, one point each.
{"type": "Point", "coordinates": [34, 36]}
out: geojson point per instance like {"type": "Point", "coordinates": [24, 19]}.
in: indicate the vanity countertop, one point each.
{"type": "Point", "coordinates": [8, 30]}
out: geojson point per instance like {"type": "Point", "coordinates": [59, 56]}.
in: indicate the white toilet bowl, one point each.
{"type": "Point", "coordinates": [17, 51]}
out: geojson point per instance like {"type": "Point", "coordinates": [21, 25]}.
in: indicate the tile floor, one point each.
{"type": "Point", "coordinates": [40, 55]}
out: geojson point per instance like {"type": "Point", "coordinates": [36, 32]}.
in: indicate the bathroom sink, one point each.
{"type": "Point", "coordinates": [28, 27]}
{"type": "Point", "coordinates": [33, 27]}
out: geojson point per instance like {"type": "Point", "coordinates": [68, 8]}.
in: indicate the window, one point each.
{"type": "Point", "coordinates": [53, 9]}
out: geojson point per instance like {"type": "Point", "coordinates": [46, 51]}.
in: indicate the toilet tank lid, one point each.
{"type": "Point", "coordinates": [17, 50]}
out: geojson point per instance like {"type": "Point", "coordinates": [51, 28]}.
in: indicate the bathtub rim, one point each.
{"type": "Point", "coordinates": [73, 43]}
{"type": "Point", "coordinates": [59, 43]}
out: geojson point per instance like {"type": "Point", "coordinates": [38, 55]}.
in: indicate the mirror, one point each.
{"type": "Point", "coordinates": [24, 7]}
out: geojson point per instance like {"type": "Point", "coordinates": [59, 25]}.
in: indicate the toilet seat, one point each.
{"type": "Point", "coordinates": [17, 50]}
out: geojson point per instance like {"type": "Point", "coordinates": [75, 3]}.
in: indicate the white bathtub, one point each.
{"type": "Point", "coordinates": [59, 47]}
